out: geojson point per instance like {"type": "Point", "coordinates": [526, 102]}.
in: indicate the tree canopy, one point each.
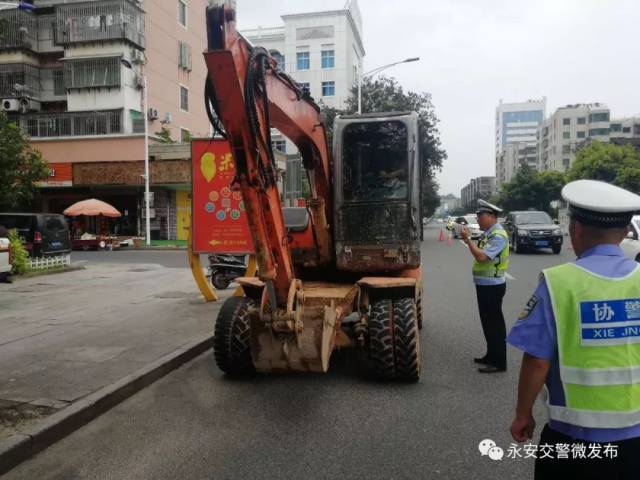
{"type": "Point", "coordinates": [531, 189]}
{"type": "Point", "coordinates": [616, 164]}
{"type": "Point", "coordinates": [21, 166]}
{"type": "Point", "coordinates": [385, 94]}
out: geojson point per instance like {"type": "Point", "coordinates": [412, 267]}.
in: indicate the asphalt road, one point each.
{"type": "Point", "coordinates": [166, 258]}
{"type": "Point", "coordinates": [196, 424]}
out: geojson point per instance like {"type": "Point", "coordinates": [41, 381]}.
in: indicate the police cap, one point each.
{"type": "Point", "coordinates": [486, 207]}
{"type": "Point", "coordinates": [600, 204]}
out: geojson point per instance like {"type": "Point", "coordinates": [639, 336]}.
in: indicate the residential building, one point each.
{"type": "Point", "coordinates": [625, 128]}
{"type": "Point", "coordinates": [322, 51]}
{"type": "Point", "coordinates": [448, 203]}
{"type": "Point", "coordinates": [570, 127]}
{"type": "Point", "coordinates": [477, 188]}
{"type": "Point", "coordinates": [72, 75]}
{"type": "Point", "coordinates": [512, 157]}
{"type": "Point", "coordinates": [518, 122]}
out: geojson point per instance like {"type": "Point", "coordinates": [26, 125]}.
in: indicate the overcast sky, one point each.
{"type": "Point", "coordinates": [475, 52]}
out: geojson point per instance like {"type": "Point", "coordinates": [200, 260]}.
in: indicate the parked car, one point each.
{"type": "Point", "coordinates": [533, 230]}
{"type": "Point", "coordinates": [5, 259]}
{"type": "Point", "coordinates": [631, 245]}
{"type": "Point", "coordinates": [43, 234]}
{"type": "Point", "coordinates": [471, 222]}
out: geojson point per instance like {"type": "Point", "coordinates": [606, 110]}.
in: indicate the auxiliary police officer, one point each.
{"type": "Point", "coordinates": [579, 334]}
{"type": "Point", "coordinates": [491, 259]}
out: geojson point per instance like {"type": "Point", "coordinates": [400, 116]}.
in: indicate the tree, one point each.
{"type": "Point", "coordinates": [164, 135]}
{"type": "Point", "coordinates": [531, 189]}
{"type": "Point", "coordinates": [385, 94]}
{"type": "Point", "coordinates": [21, 167]}
{"type": "Point", "coordinates": [616, 164]}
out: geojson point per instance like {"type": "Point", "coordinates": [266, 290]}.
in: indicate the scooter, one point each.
{"type": "Point", "coordinates": [224, 269]}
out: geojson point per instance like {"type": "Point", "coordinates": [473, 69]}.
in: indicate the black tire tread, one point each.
{"type": "Point", "coordinates": [406, 340]}
{"type": "Point", "coordinates": [232, 336]}
{"type": "Point", "coordinates": [381, 339]}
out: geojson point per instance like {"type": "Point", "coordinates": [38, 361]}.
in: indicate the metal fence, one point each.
{"type": "Point", "coordinates": [18, 80]}
{"type": "Point", "coordinates": [19, 29]}
{"type": "Point", "coordinates": [72, 124]}
{"type": "Point", "coordinates": [48, 263]}
{"type": "Point", "coordinates": [99, 21]}
{"type": "Point", "coordinates": [92, 73]}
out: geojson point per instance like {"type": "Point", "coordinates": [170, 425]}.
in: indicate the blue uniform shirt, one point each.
{"type": "Point", "coordinates": [492, 249]}
{"type": "Point", "coordinates": [536, 335]}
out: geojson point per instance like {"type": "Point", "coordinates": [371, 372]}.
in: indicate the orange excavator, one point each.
{"type": "Point", "coordinates": [344, 271]}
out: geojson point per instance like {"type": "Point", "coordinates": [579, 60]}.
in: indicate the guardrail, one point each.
{"type": "Point", "coordinates": [48, 263]}
{"type": "Point", "coordinates": [71, 124]}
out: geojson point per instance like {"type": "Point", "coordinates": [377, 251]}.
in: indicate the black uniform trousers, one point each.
{"type": "Point", "coordinates": [495, 332]}
{"type": "Point", "coordinates": [625, 465]}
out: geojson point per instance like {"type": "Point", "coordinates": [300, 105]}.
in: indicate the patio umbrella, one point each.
{"type": "Point", "coordinates": [92, 208]}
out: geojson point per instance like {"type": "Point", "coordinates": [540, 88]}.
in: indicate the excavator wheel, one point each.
{"type": "Point", "coordinates": [231, 338]}
{"type": "Point", "coordinates": [393, 339]}
{"type": "Point", "coordinates": [419, 311]}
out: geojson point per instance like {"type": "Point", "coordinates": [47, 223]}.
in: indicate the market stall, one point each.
{"type": "Point", "coordinates": [90, 226]}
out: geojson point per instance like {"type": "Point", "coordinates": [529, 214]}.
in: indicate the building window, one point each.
{"type": "Point", "coordinates": [595, 132]}
{"type": "Point", "coordinates": [566, 121]}
{"type": "Point", "coordinates": [303, 61]}
{"type": "Point", "coordinates": [182, 12]}
{"type": "Point", "coordinates": [328, 89]}
{"type": "Point", "coordinates": [626, 129]}
{"type": "Point", "coordinates": [58, 82]}
{"type": "Point", "coordinates": [599, 117]}
{"type": "Point", "coordinates": [304, 86]}
{"type": "Point", "coordinates": [582, 120]}
{"type": "Point", "coordinates": [566, 149]}
{"type": "Point", "coordinates": [280, 145]}
{"type": "Point", "coordinates": [566, 135]}
{"type": "Point", "coordinates": [184, 56]}
{"type": "Point", "coordinates": [92, 73]}
{"type": "Point", "coordinates": [184, 98]}
{"type": "Point", "coordinates": [328, 58]}
{"type": "Point", "coordinates": [581, 135]}
{"type": "Point", "coordinates": [279, 58]}
{"type": "Point", "coordinates": [616, 127]}
{"type": "Point", "coordinates": [185, 135]}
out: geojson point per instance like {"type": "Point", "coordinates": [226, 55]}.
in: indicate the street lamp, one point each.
{"type": "Point", "coordinates": [370, 73]}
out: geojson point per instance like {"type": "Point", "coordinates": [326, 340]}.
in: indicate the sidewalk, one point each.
{"type": "Point", "coordinates": [63, 337]}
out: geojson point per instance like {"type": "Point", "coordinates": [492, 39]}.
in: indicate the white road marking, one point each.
{"type": "Point", "coordinates": [462, 243]}
{"type": "Point", "coordinates": [509, 276]}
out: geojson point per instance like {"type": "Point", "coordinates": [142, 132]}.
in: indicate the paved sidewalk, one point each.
{"type": "Point", "coordinates": [65, 336]}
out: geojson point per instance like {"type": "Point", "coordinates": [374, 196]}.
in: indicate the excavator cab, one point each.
{"type": "Point", "coordinates": [377, 192]}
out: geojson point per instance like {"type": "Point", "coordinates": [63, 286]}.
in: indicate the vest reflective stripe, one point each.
{"type": "Point", "coordinates": [499, 265]}
{"type": "Point", "coordinates": [593, 419]}
{"type": "Point", "coordinates": [600, 378]}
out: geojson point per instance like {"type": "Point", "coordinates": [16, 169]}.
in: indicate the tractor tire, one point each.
{"type": "Point", "coordinates": [406, 340]}
{"type": "Point", "coordinates": [419, 311]}
{"type": "Point", "coordinates": [219, 281]}
{"type": "Point", "coordinates": [393, 340]}
{"type": "Point", "coordinates": [232, 335]}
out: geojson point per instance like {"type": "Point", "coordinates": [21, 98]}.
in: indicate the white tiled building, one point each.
{"type": "Point", "coordinates": [321, 50]}
{"type": "Point", "coordinates": [518, 122]}
{"type": "Point", "coordinates": [564, 132]}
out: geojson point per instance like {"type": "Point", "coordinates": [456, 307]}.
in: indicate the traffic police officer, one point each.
{"type": "Point", "coordinates": [491, 256]}
{"type": "Point", "coordinates": [580, 335]}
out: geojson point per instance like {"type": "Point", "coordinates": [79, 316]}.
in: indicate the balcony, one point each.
{"type": "Point", "coordinates": [72, 124]}
{"type": "Point", "coordinates": [19, 80]}
{"type": "Point", "coordinates": [92, 73]}
{"type": "Point", "coordinates": [20, 30]}
{"type": "Point", "coordinates": [103, 20]}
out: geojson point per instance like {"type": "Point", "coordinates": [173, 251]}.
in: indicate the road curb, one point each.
{"type": "Point", "coordinates": [25, 444]}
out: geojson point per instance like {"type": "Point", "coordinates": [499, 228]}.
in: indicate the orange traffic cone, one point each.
{"type": "Point", "coordinates": [450, 239]}
{"type": "Point", "coordinates": [441, 239]}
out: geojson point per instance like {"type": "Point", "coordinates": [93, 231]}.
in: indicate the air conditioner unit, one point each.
{"type": "Point", "coordinates": [152, 114]}
{"type": "Point", "coordinates": [10, 105]}
{"type": "Point", "coordinates": [28, 105]}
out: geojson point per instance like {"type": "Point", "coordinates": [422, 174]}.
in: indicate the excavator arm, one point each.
{"type": "Point", "coordinates": [249, 95]}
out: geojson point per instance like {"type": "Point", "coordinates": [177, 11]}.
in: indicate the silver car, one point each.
{"type": "Point", "coordinates": [631, 245]}
{"type": "Point", "coordinates": [471, 222]}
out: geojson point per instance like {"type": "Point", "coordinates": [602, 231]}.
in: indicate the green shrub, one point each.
{"type": "Point", "coordinates": [19, 254]}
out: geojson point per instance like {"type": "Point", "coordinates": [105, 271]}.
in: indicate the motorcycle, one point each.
{"type": "Point", "coordinates": [224, 269]}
